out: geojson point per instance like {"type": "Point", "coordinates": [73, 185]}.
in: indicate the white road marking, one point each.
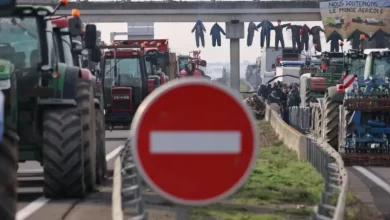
{"type": "Point", "coordinates": [35, 205]}
{"type": "Point", "coordinates": [385, 186]}
{"type": "Point", "coordinates": [195, 142]}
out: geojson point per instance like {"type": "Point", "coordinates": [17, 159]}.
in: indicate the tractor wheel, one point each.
{"type": "Point", "coordinates": [344, 117]}
{"type": "Point", "coordinates": [63, 154]}
{"type": "Point", "coordinates": [86, 105]}
{"type": "Point", "coordinates": [308, 96]}
{"type": "Point", "coordinates": [331, 121]}
{"type": "Point", "coordinates": [318, 122]}
{"type": "Point", "coordinates": [8, 174]}
{"type": "Point", "coordinates": [101, 163]}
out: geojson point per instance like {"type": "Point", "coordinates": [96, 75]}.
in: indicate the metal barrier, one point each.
{"type": "Point", "coordinates": [329, 163]}
{"type": "Point", "coordinates": [127, 188]}
{"type": "Point", "coordinates": [299, 118]}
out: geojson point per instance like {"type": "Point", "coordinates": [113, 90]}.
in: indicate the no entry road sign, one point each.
{"type": "Point", "coordinates": [194, 142]}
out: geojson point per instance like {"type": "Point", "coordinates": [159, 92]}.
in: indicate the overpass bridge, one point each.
{"type": "Point", "coordinates": [234, 13]}
{"type": "Point", "coordinates": [170, 11]}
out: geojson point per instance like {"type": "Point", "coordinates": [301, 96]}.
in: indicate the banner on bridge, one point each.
{"type": "Point", "coordinates": [347, 16]}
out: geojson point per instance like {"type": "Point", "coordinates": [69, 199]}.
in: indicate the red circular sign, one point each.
{"type": "Point", "coordinates": [194, 142]}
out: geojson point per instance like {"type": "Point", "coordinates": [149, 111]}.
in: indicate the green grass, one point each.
{"type": "Point", "coordinates": [278, 178]}
{"type": "Point", "coordinates": [204, 214]}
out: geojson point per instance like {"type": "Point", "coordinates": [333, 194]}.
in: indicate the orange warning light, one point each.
{"type": "Point", "coordinates": [64, 2]}
{"type": "Point", "coordinates": [362, 37]}
{"type": "Point", "coordinates": [75, 13]}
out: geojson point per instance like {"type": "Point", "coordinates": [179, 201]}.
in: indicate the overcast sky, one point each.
{"type": "Point", "coordinates": [182, 41]}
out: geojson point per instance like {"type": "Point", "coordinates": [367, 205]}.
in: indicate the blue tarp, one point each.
{"type": "Point", "coordinates": [292, 63]}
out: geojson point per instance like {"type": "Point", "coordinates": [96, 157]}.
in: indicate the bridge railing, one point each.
{"type": "Point", "coordinates": [127, 188]}
{"type": "Point", "coordinates": [322, 156]}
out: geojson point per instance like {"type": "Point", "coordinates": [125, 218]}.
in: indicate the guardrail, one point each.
{"type": "Point", "coordinates": [322, 156]}
{"type": "Point", "coordinates": [127, 188]}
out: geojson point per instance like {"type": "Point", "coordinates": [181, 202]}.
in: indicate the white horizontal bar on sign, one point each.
{"type": "Point", "coordinates": [195, 142]}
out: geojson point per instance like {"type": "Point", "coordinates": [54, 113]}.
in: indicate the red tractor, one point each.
{"type": "Point", "coordinates": [193, 66]}
{"type": "Point", "coordinates": [125, 80]}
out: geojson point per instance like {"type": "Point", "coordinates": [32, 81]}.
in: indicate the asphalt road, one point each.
{"type": "Point", "coordinates": [372, 186]}
{"type": "Point", "coordinates": [33, 206]}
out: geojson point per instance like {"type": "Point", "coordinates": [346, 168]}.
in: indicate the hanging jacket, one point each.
{"type": "Point", "coordinates": [355, 37]}
{"type": "Point", "coordinates": [251, 33]}
{"type": "Point", "coordinates": [295, 30]}
{"type": "Point", "coordinates": [315, 31]}
{"type": "Point", "coordinates": [199, 28]}
{"type": "Point", "coordinates": [334, 39]}
{"type": "Point", "coordinates": [266, 27]}
{"type": "Point", "coordinates": [216, 31]}
{"type": "Point", "coordinates": [279, 29]}
{"type": "Point", "coordinates": [379, 38]}
{"type": "Point", "coordinates": [304, 32]}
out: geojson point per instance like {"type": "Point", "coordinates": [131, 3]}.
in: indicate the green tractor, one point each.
{"type": "Point", "coordinates": [314, 87]}
{"type": "Point", "coordinates": [49, 104]}
{"type": "Point", "coordinates": [326, 111]}
{"type": "Point", "coordinates": [75, 48]}
{"type": "Point", "coordinates": [314, 84]}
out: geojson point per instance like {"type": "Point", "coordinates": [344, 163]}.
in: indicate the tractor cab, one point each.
{"type": "Point", "coordinates": [74, 42]}
{"type": "Point", "coordinates": [193, 67]}
{"type": "Point", "coordinates": [124, 80]}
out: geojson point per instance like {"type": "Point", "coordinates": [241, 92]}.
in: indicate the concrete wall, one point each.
{"type": "Point", "coordinates": [292, 138]}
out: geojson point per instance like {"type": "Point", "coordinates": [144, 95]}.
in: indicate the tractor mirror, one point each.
{"type": "Point", "coordinates": [95, 54]}
{"type": "Point", "coordinates": [75, 26]}
{"type": "Point", "coordinates": [90, 36]}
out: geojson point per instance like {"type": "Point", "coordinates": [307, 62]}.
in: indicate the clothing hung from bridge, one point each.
{"type": "Point", "coordinates": [279, 34]}
{"type": "Point", "coordinates": [379, 38]}
{"type": "Point", "coordinates": [295, 37]}
{"type": "Point", "coordinates": [304, 32]}
{"type": "Point", "coordinates": [315, 32]}
{"type": "Point", "coordinates": [355, 38]}
{"type": "Point", "coordinates": [199, 30]}
{"type": "Point", "coordinates": [265, 32]}
{"type": "Point", "coordinates": [215, 33]}
{"type": "Point", "coordinates": [334, 39]}
{"type": "Point", "coordinates": [251, 33]}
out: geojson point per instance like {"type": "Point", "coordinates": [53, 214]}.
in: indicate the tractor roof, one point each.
{"type": "Point", "coordinates": [33, 10]}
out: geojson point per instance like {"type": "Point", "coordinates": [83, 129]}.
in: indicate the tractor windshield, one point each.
{"type": "Point", "coordinates": [381, 67]}
{"type": "Point", "coordinates": [183, 61]}
{"type": "Point", "coordinates": [20, 42]}
{"type": "Point", "coordinates": [357, 67]}
{"type": "Point", "coordinates": [126, 73]}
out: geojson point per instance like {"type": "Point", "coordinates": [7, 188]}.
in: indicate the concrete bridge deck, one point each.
{"type": "Point", "coordinates": [221, 11]}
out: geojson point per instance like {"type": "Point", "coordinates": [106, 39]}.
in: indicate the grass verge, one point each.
{"type": "Point", "coordinates": [278, 184]}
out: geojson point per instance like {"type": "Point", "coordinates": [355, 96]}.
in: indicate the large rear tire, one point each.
{"type": "Point", "coordinates": [101, 163]}
{"type": "Point", "coordinates": [331, 122]}
{"type": "Point", "coordinates": [62, 152]}
{"type": "Point", "coordinates": [8, 174]}
{"type": "Point", "coordinates": [86, 105]}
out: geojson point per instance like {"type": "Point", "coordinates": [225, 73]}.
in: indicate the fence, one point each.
{"type": "Point", "coordinates": [127, 188]}
{"type": "Point", "coordinates": [322, 156]}
{"type": "Point", "coordinates": [329, 163]}
{"type": "Point", "coordinates": [299, 118]}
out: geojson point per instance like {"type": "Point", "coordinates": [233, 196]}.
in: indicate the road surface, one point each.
{"type": "Point", "coordinates": [372, 186]}
{"type": "Point", "coordinates": [33, 206]}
